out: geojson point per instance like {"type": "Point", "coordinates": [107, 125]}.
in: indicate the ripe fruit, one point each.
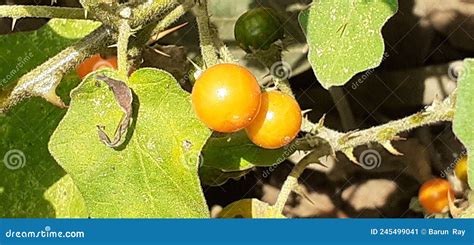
{"type": "Point", "coordinates": [258, 28]}
{"type": "Point", "coordinates": [461, 169]}
{"type": "Point", "coordinates": [94, 63]}
{"type": "Point", "coordinates": [433, 195]}
{"type": "Point", "coordinates": [278, 121]}
{"type": "Point", "coordinates": [226, 97]}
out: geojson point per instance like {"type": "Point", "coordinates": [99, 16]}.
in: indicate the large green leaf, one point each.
{"type": "Point", "coordinates": [32, 184]}
{"type": "Point", "coordinates": [235, 152]}
{"type": "Point", "coordinates": [463, 126]}
{"type": "Point", "coordinates": [21, 52]}
{"type": "Point", "coordinates": [344, 37]}
{"type": "Point", "coordinates": [233, 155]}
{"type": "Point", "coordinates": [155, 173]}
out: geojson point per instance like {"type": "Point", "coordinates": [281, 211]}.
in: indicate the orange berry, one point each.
{"type": "Point", "coordinates": [226, 97]}
{"type": "Point", "coordinates": [433, 195]}
{"type": "Point", "coordinates": [278, 121]}
{"type": "Point", "coordinates": [94, 63]}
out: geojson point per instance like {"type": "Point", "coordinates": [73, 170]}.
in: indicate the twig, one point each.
{"type": "Point", "coordinates": [155, 28]}
{"type": "Point", "coordinates": [224, 51]}
{"type": "Point", "coordinates": [43, 80]}
{"type": "Point", "coordinates": [327, 141]}
{"type": "Point", "coordinates": [105, 13]}
{"type": "Point", "coordinates": [439, 111]}
{"type": "Point", "coordinates": [23, 11]}
{"type": "Point", "coordinates": [122, 49]}
{"type": "Point", "coordinates": [279, 70]}
{"type": "Point", "coordinates": [208, 50]}
{"type": "Point", "coordinates": [149, 11]}
{"type": "Point", "coordinates": [291, 182]}
{"type": "Point", "coordinates": [343, 108]}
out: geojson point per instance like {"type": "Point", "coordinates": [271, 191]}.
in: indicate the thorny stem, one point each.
{"type": "Point", "coordinates": [327, 141]}
{"type": "Point", "coordinates": [155, 28]}
{"type": "Point", "coordinates": [290, 184]}
{"type": "Point", "coordinates": [23, 11]}
{"type": "Point", "coordinates": [224, 51]}
{"type": "Point", "coordinates": [439, 111]}
{"type": "Point", "coordinates": [43, 80]}
{"type": "Point", "coordinates": [101, 11]}
{"type": "Point", "coordinates": [122, 49]}
{"type": "Point", "coordinates": [208, 50]}
{"type": "Point", "coordinates": [149, 11]}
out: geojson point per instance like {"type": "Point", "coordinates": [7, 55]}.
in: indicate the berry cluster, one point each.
{"type": "Point", "coordinates": [228, 98]}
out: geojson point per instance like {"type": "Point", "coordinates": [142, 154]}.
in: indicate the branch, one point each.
{"type": "Point", "coordinates": [122, 49]}
{"type": "Point", "coordinates": [157, 27]}
{"type": "Point", "coordinates": [149, 11]}
{"type": "Point", "coordinates": [23, 11]}
{"type": "Point", "coordinates": [439, 111]}
{"type": "Point", "coordinates": [208, 50]}
{"type": "Point", "coordinates": [103, 12]}
{"type": "Point", "coordinates": [43, 80]}
{"type": "Point", "coordinates": [326, 141]}
{"type": "Point", "coordinates": [291, 182]}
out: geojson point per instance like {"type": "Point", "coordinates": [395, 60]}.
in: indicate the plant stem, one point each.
{"type": "Point", "coordinates": [343, 108]}
{"type": "Point", "coordinates": [224, 51]}
{"type": "Point", "coordinates": [105, 13]}
{"type": "Point", "coordinates": [122, 49]}
{"type": "Point", "coordinates": [155, 28]}
{"type": "Point", "coordinates": [439, 111]}
{"type": "Point", "coordinates": [23, 11]}
{"type": "Point", "coordinates": [290, 184]}
{"type": "Point", "coordinates": [208, 50]}
{"type": "Point", "coordinates": [279, 70]}
{"type": "Point", "coordinates": [149, 11]}
{"type": "Point", "coordinates": [43, 80]}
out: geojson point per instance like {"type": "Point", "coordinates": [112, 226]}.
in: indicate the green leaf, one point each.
{"type": "Point", "coordinates": [344, 37]}
{"type": "Point", "coordinates": [32, 184]}
{"type": "Point", "coordinates": [216, 177]}
{"type": "Point", "coordinates": [463, 126]}
{"type": "Point", "coordinates": [155, 173]}
{"type": "Point", "coordinates": [36, 47]}
{"type": "Point", "coordinates": [234, 152]}
{"type": "Point", "coordinates": [234, 155]}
